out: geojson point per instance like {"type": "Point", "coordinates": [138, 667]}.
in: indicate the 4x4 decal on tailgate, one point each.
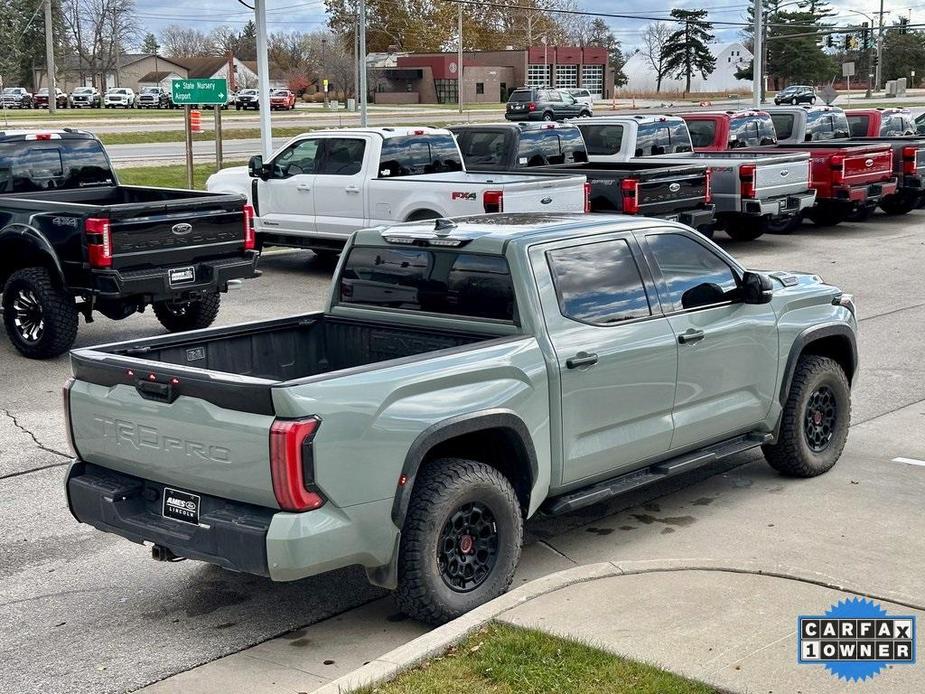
{"type": "Point", "coordinates": [462, 196]}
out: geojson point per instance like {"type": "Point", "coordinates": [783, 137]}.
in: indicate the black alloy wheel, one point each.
{"type": "Point", "coordinates": [820, 418]}
{"type": "Point", "coordinates": [468, 547]}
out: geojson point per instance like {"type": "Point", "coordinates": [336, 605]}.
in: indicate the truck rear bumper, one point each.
{"type": "Point", "coordinates": [780, 206]}
{"type": "Point", "coordinates": [695, 219]}
{"type": "Point", "coordinates": [236, 536]}
{"type": "Point", "coordinates": [210, 276]}
{"type": "Point", "coordinates": [869, 194]}
{"type": "Point", "coordinates": [230, 534]}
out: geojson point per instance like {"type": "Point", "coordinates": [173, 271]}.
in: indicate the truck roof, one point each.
{"type": "Point", "coordinates": [878, 109]}
{"type": "Point", "coordinates": [725, 114]}
{"type": "Point", "coordinates": [793, 109]}
{"type": "Point", "coordinates": [637, 117]}
{"type": "Point", "coordinates": [386, 133]}
{"type": "Point", "coordinates": [518, 127]}
{"type": "Point", "coordinates": [492, 233]}
{"type": "Point", "coordinates": [45, 134]}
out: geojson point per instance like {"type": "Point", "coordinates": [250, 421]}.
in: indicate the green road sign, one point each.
{"type": "Point", "coordinates": [196, 91]}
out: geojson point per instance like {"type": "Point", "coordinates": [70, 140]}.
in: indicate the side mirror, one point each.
{"type": "Point", "coordinates": [704, 294]}
{"type": "Point", "coordinates": [255, 166]}
{"type": "Point", "coordinates": [756, 288]}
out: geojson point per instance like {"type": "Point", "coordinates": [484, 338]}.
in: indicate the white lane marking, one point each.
{"type": "Point", "coordinates": [909, 461]}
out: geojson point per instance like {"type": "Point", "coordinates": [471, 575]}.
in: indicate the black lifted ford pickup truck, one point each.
{"type": "Point", "coordinates": [670, 191]}
{"type": "Point", "coordinates": [72, 240]}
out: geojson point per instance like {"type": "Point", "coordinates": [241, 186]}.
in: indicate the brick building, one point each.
{"type": "Point", "coordinates": [490, 76]}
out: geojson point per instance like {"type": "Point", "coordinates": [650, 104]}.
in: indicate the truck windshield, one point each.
{"type": "Point", "coordinates": [426, 280]}
{"type": "Point", "coordinates": [662, 137]}
{"type": "Point", "coordinates": [417, 154]}
{"type": "Point", "coordinates": [28, 166]}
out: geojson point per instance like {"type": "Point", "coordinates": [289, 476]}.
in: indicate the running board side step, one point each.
{"type": "Point", "coordinates": [608, 489]}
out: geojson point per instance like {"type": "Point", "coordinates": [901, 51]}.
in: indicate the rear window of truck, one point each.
{"type": "Point", "coordinates": [552, 146]}
{"type": "Point", "coordinates": [703, 132]}
{"type": "Point", "coordinates": [826, 125]}
{"type": "Point", "coordinates": [783, 124]}
{"type": "Point", "coordinates": [419, 154]}
{"type": "Point", "coordinates": [485, 149]}
{"type": "Point", "coordinates": [28, 166]}
{"type": "Point", "coordinates": [602, 140]}
{"type": "Point", "coordinates": [431, 281]}
{"type": "Point", "coordinates": [858, 125]}
{"type": "Point", "coordinates": [662, 137]}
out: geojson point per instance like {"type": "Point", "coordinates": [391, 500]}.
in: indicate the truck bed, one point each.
{"type": "Point", "coordinates": [217, 363]}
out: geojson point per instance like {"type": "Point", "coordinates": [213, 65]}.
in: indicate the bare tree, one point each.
{"type": "Point", "coordinates": [654, 40]}
{"type": "Point", "coordinates": [180, 42]}
{"type": "Point", "coordinates": [98, 32]}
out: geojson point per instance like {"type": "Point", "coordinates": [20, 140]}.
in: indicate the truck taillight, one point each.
{"type": "Point", "coordinates": [747, 180]}
{"type": "Point", "coordinates": [531, 106]}
{"type": "Point", "coordinates": [587, 196]}
{"type": "Point", "coordinates": [68, 428]}
{"type": "Point", "coordinates": [98, 231]}
{"type": "Point", "coordinates": [838, 169]}
{"type": "Point", "coordinates": [708, 186]}
{"type": "Point", "coordinates": [493, 200]}
{"type": "Point", "coordinates": [250, 236]}
{"type": "Point", "coordinates": [292, 464]}
{"type": "Point", "coordinates": [629, 189]}
{"type": "Point", "coordinates": [910, 165]}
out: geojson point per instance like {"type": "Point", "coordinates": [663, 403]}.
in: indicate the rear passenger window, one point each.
{"type": "Point", "coordinates": [695, 275]}
{"type": "Point", "coordinates": [599, 283]}
{"type": "Point", "coordinates": [419, 154]}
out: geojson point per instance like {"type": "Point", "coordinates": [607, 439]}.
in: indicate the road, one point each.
{"type": "Point", "coordinates": [84, 611]}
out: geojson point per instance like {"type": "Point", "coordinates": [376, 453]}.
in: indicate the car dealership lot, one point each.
{"type": "Point", "coordinates": [89, 611]}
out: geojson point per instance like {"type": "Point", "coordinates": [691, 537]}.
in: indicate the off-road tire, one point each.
{"type": "Point", "coordinates": [193, 315]}
{"type": "Point", "coordinates": [443, 488]}
{"type": "Point", "coordinates": [58, 314]}
{"type": "Point", "coordinates": [747, 229]}
{"type": "Point", "coordinates": [792, 454]}
{"type": "Point", "coordinates": [900, 204]}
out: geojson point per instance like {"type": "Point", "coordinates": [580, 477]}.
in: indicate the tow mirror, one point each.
{"type": "Point", "coordinates": [255, 167]}
{"type": "Point", "coordinates": [756, 288]}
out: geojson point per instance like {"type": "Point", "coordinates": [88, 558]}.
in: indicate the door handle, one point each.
{"type": "Point", "coordinates": [352, 189]}
{"type": "Point", "coordinates": [304, 187]}
{"type": "Point", "coordinates": [581, 359]}
{"type": "Point", "coordinates": [690, 336]}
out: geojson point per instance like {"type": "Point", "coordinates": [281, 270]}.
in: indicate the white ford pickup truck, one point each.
{"type": "Point", "coordinates": [322, 186]}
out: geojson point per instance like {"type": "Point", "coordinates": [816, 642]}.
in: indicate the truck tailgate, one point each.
{"type": "Point", "coordinates": [867, 167]}
{"type": "Point", "coordinates": [189, 444]}
{"type": "Point", "coordinates": [779, 176]}
{"type": "Point", "coordinates": [552, 193]}
{"type": "Point", "coordinates": [662, 193]}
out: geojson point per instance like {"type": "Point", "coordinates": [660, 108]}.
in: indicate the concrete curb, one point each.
{"type": "Point", "coordinates": [440, 639]}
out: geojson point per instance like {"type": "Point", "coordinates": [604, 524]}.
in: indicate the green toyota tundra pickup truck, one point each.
{"type": "Point", "coordinates": [464, 375]}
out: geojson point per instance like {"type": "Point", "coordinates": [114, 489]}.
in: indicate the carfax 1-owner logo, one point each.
{"type": "Point", "coordinates": [856, 639]}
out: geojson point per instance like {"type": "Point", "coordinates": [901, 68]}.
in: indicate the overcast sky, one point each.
{"type": "Point", "coordinates": [307, 15]}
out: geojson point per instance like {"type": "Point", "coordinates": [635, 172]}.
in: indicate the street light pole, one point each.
{"type": "Point", "coordinates": [263, 79]}
{"type": "Point", "coordinates": [459, 59]}
{"type": "Point", "coordinates": [363, 92]}
{"type": "Point", "coordinates": [50, 60]}
{"type": "Point", "coordinates": [877, 80]}
{"type": "Point", "coordinates": [757, 55]}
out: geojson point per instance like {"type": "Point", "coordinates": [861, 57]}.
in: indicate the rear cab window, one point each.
{"type": "Point", "coordinates": [857, 125]}
{"type": "Point", "coordinates": [662, 137]}
{"type": "Point", "coordinates": [485, 149]}
{"type": "Point", "coordinates": [783, 124]}
{"type": "Point", "coordinates": [826, 125]}
{"type": "Point", "coordinates": [419, 154]}
{"type": "Point", "coordinates": [602, 140]}
{"type": "Point", "coordinates": [702, 131]}
{"type": "Point", "coordinates": [550, 146]}
{"type": "Point", "coordinates": [29, 166]}
{"type": "Point", "coordinates": [426, 280]}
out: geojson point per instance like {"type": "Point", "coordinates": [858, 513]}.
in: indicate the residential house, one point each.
{"type": "Point", "coordinates": [730, 58]}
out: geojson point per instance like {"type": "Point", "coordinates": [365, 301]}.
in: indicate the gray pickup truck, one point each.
{"type": "Point", "coordinates": [464, 375]}
{"type": "Point", "coordinates": [753, 193]}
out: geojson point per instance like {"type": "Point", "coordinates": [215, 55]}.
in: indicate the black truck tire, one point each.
{"type": "Point", "coordinates": [460, 542]}
{"type": "Point", "coordinates": [815, 420]}
{"type": "Point", "coordinates": [861, 213]}
{"type": "Point", "coordinates": [747, 229]}
{"type": "Point", "coordinates": [190, 315]}
{"type": "Point", "coordinates": [40, 318]}
{"type": "Point", "coordinates": [899, 204]}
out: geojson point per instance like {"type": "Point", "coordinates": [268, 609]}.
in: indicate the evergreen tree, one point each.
{"type": "Point", "coordinates": [686, 52]}
{"type": "Point", "coordinates": [247, 42]}
{"type": "Point", "coordinates": [601, 35]}
{"type": "Point", "coordinates": [149, 44]}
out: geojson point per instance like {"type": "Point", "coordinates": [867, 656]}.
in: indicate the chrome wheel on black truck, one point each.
{"type": "Point", "coordinates": [460, 542]}
{"type": "Point", "coordinates": [815, 420]}
{"type": "Point", "coordinates": [40, 318]}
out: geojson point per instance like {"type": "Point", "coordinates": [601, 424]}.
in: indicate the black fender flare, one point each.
{"type": "Point", "coordinates": [807, 337]}
{"type": "Point", "coordinates": [447, 429]}
{"type": "Point", "coordinates": [22, 235]}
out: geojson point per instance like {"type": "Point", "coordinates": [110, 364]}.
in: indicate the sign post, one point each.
{"type": "Point", "coordinates": [187, 92]}
{"type": "Point", "coordinates": [847, 71]}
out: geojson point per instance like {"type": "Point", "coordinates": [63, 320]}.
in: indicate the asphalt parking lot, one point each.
{"type": "Point", "coordinates": [82, 611]}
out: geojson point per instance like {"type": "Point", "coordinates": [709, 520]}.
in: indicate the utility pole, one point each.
{"type": "Point", "coordinates": [363, 91]}
{"type": "Point", "coordinates": [459, 59]}
{"type": "Point", "coordinates": [115, 31]}
{"type": "Point", "coordinates": [877, 82]}
{"type": "Point", "coordinates": [356, 61]}
{"type": "Point", "coordinates": [263, 80]}
{"type": "Point", "coordinates": [757, 55]}
{"type": "Point", "coordinates": [50, 59]}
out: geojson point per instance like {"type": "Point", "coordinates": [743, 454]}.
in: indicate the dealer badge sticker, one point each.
{"type": "Point", "coordinates": [856, 639]}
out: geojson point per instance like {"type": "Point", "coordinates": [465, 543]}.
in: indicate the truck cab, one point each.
{"type": "Point", "coordinates": [880, 122]}
{"type": "Point", "coordinates": [794, 124]}
{"type": "Point", "coordinates": [621, 138]}
{"type": "Point", "coordinates": [721, 131]}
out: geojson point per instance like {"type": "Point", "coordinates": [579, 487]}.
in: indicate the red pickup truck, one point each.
{"type": "Point", "coordinates": [880, 122]}
{"type": "Point", "coordinates": [850, 178]}
{"type": "Point", "coordinates": [718, 131]}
